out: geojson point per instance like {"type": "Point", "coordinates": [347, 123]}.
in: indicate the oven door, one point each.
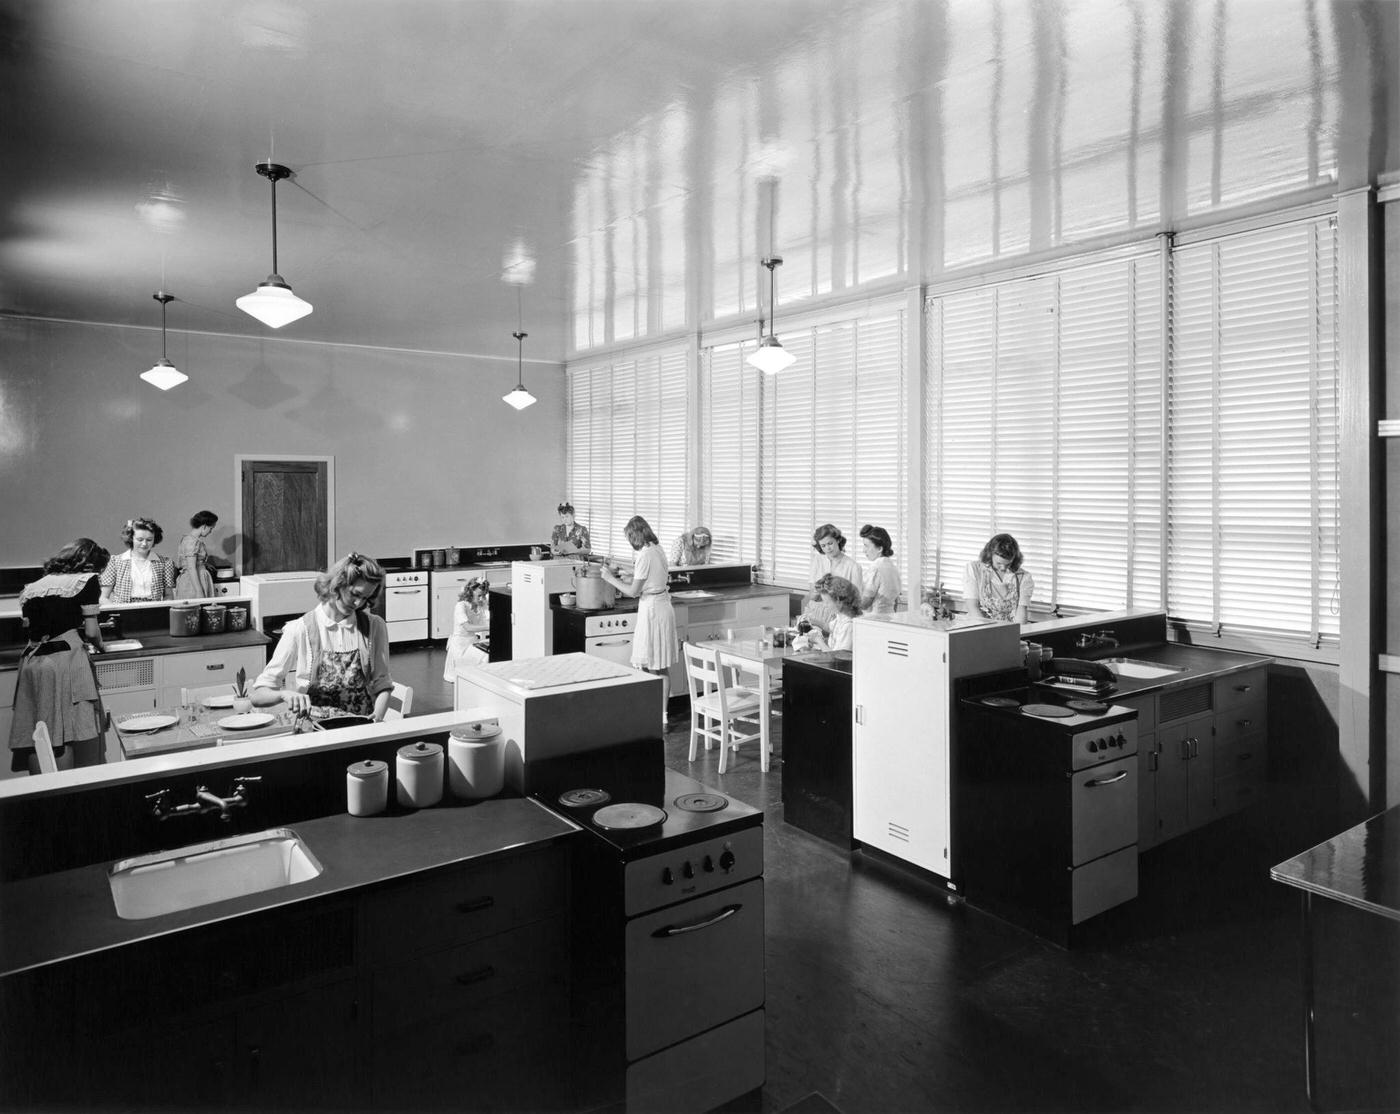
{"type": "Point", "coordinates": [612, 647]}
{"type": "Point", "coordinates": [1105, 804]}
{"type": "Point", "coordinates": [692, 966]}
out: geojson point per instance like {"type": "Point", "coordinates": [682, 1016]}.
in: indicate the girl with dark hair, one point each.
{"type": "Point", "coordinates": [654, 638]}
{"type": "Point", "coordinates": [139, 574]}
{"type": "Point", "coordinates": [830, 557]}
{"type": "Point", "coordinates": [568, 536]}
{"type": "Point", "coordinates": [192, 559]}
{"type": "Point", "coordinates": [337, 654]}
{"type": "Point", "coordinates": [995, 586]}
{"type": "Point", "coordinates": [883, 585]}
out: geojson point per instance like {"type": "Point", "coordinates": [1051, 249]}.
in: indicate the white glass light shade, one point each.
{"type": "Point", "coordinates": [771, 357]}
{"type": "Point", "coordinates": [164, 374]}
{"type": "Point", "coordinates": [273, 303]}
{"type": "Point", "coordinates": [518, 397]}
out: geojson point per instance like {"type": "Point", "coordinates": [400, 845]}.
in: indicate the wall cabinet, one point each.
{"type": "Point", "coordinates": [714, 619]}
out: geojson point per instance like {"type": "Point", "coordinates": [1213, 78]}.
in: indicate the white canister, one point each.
{"type": "Point", "coordinates": [418, 775]}
{"type": "Point", "coordinates": [476, 760]}
{"type": "Point", "coordinates": [366, 787]}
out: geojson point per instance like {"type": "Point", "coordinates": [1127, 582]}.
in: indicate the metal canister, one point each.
{"type": "Point", "coordinates": [237, 617]}
{"type": "Point", "coordinates": [184, 619]}
{"type": "Point", "coordinates": [213, 617]}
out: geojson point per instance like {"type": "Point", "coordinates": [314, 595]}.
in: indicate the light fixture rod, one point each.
{"type": "Point", "coordinates": [163, 298]}
{"type": "Point", "coordinates": [520, 358]}
{"type": "Point", "coordinates": [772, 262]}
{"type": "Point", "coordinates": [274, 173]}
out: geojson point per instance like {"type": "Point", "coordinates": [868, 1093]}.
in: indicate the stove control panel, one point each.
{"type": "Point", "coordinates": [693, 870]}
{"type": "Point", "coordinates": [1095, 745]}
{"type": "Point", "coordinates": [596, 625]}
{"type": "Point", "coordinates": [397, 578]}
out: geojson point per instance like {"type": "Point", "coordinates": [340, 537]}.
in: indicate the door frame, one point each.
{"type": "Point", "coordinates": [239, 459]}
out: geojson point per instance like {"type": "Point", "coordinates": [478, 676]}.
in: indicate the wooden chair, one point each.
{"type": "Point", "coordinates": [717, 709]}
{"type": "Point", "coordinates": [739, 675]}
{"type": "Point", "coordinates": [775, 670]}
{"type": "Point", "coordinates": [43, 749]}
{"type": "Point", "coordinates": [400, 701]}
{"type": "Point", "coordinates": [197, 693]}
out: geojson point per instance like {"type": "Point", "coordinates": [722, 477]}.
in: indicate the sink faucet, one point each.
{"type": "Point", "coordinates": [1098, 638]}
{"type": "Point", "coordinates": [678, 577]}
{"type": "Point", "coordinates": [204, 801]}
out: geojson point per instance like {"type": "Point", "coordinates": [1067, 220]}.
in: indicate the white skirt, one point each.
{"type": "Point", "coordinates": [654, 637]}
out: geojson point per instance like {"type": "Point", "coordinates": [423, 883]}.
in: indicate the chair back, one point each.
{"type": "Point", "coordinates": [400, 701]}
{"type": "Point", "coordinates": [196, 694]}
{"type": "Point", "coordinates": [701, 670]}
{"type": "Point", "coordinates": [43, 749]}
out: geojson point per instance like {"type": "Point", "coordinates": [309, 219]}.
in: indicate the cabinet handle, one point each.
{"type": "Point", "coordinates": [481, 974]}
{"type": "Point", "coordinates": [1195, 746]}
{"type": "Point", "coordinates": [1243, 688]}
{"type": "Point", "coordinates": [672, 930]}
{"type": "Point", "coordinates": [1246, 756]}
{"type": "Point", "coordinates": [254, 1067]}
{"type": "Point", "coordinates": [214, 667]}
{"type": "Point", "coordinates": [475, 904]}
{"type": "Point", "coordinates": [1244, 722]}
{"type": "Point", "coordinates": [1152, 759]}
{"type": "Point", "coordinates": [472, 1046]}
{"type": "Point", "coordinates": [1184, 749]}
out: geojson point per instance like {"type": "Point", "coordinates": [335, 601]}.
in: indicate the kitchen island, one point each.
{"type": "Point", "coordinates": [817, 745]}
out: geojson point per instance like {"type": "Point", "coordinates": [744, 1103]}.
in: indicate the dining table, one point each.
{"type": "Point", "coordinates": [197, 726]}
{"type": "Point", "coordinates": [762, 658]}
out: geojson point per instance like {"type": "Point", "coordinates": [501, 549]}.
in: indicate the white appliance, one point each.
{"type": "Point", "coordinates": [406, 604]}
{"type": "Point", "coordinates": [558, 705]}
{"type": "Point", "coordinates": [903, 709]}
{"type": "Point", "coordinates": [531, 613]}
{"type": "Point", "coordinates": [447, 587]}
{"type": "Point", "coordinates": [280, 593]}
{"type": "Point", "coordinates": [609, 636]}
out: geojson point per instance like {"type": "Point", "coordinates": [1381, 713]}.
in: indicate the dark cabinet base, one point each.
{"type": "Point", "coordinates": [817, 749]}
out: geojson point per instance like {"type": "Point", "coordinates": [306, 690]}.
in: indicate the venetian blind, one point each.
{"type": "Point", "coordinates": [1042, 420]}
{"type": "Point", "coordinates": [729, 425]}
{"type": "Point", "coordinates": [627, 446]}
{"type": "Point", "coordinates": [1252, 410]}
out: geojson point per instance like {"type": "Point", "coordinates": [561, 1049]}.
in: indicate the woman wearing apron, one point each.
{"type": "Point", "coordinates": [654, 637]}
{"type": "Point", "coordinates": [338, 652]}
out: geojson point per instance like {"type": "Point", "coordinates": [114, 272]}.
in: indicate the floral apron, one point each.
{"type": "Point", "coordinates": [340, 683]}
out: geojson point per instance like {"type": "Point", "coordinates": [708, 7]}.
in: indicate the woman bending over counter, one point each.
{"type": "Point", "coordinates": [654, 646]}
{"type": "Point", "coordinates": [995, 586]}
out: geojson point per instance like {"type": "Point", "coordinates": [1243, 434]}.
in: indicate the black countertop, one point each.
{"type": "Point", "coordinates": [69, 913]}
{"type": "Point", "coordinates": [1360, 867]}
{"type": "Point", "coordinates": [155, 643]}
{"type": "Point", "coordinates": [1195, 664]}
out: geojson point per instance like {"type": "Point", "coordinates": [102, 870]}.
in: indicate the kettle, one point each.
{"type": "Point", "coordinates": [594, 593]}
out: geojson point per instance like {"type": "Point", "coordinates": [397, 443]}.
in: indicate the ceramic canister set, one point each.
{"type": "Point", "coordinates": [474, 768]}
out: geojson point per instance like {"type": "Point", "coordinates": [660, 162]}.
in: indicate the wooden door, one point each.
{"type": "Point", "coordinates": [286, 514]}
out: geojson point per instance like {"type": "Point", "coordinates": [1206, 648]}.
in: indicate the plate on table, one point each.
{"type": "Point", "coordinates": [223, 700]}
{"type": "Point", "coordinates": [247, 720]}
{"type": "Point", "coordinates": [149, 721]}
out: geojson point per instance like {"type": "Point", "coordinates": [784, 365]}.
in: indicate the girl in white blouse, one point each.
{"type": "Point", "coordinates": [882, 585]}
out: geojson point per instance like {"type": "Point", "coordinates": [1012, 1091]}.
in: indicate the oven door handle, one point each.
{"type": "Point", "coordinates": [1119, 776]}
{"type": "Point", "coordinates": [610, 641]}
{"type": "Point", "coordinates": [680, 930]}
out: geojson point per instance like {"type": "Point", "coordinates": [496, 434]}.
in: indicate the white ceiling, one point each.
{"type": "Point", "coordinates": [634, 149]}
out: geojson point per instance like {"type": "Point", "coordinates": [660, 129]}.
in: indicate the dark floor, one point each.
{"type": "Point", "coordinates": [883, 996]}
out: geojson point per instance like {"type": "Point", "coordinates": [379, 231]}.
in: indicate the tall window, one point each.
{"type": "Point", "coordinates": [628, 424]}
{"type": "Point", "coordinates": [1043, 420]}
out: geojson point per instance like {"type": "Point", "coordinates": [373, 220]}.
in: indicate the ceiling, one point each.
{"type": "Point", "coordinates": [602, 170]}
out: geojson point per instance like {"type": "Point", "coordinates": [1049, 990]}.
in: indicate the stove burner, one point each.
{"type": "Point", "coordinates": [1049, 711]}
{"type": "Point", "coordinates": [701, 802]}
{"type": "Point", "coordinates": [628, 816]}
{"type": "Point", "coordinates": [584, 798]}
{"type": "Point", "coordinates": [1001, 702]}
{"type": "Point", "coordinates": [1088, 707]}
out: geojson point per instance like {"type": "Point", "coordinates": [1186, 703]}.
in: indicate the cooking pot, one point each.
{"type": "Point", "coordinates": [594, 593]}
{"type": "Point", "coordinates": [184, 619]}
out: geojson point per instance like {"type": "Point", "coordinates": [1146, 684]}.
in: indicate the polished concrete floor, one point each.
{"type": "Point", "coordinates": [884, 996]}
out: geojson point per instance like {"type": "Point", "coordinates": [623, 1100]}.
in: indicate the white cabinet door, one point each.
{"type": "Point", "coordinates": [206, 667]}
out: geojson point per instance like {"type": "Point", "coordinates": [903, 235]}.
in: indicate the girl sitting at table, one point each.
{"type": "Point", "coordinates": [843, 600]}
{"type": "Point", "coordinates": [470, 614]}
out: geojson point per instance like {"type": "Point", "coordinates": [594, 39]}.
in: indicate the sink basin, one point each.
{"type": "Point", "coordinates": [1141, 670]}
{"type": "Point", "coordinates": [167, 881]}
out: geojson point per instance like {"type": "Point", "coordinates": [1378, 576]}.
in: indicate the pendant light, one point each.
{"type": "Point", "coordinates": [273, 302]}
{"type": "Point", "coordinates": [163, 373]}
{"type": "Point", "coordinates": [771, 357]}
{"type": "Point", "coordinates": [518, 397]}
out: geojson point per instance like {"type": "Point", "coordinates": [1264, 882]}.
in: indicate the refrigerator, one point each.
{"type": "Point", "coordinates": [904, 668]}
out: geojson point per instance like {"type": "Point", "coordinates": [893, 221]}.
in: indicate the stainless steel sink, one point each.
{"type": "Point", "coordinates": [167, 881]}
{"type": "Point", "coordinates": [1139, 670]}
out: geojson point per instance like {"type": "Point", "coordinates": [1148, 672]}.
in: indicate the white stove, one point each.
{"type": "Point", "coordinates": [405, 604]}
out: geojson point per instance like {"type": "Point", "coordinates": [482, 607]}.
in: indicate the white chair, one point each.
{"type": "Point", "coordinates": [43, 749]}
{"type": "Point", "coordinates": [739, 675]}
{"type": "Point", "coordinates": [718, 709]}
{"type": "Point", "coordinates": [775, 669]}
{"type": "Point", "coordinates": [400, 701]}
{"type": "Point", "coordinates": [197, 693]}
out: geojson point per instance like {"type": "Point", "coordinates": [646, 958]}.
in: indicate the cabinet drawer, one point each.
{"type": "Point", "coordinates": [436, 987]}
{"type": "Point", "coordinates": [1244, 755]}
{"type": "Point", "coordinates": [1235, 793]}
{"type": "Point", "coordinates": [767, 611]}
{"type": "Point", "coordinates": [1147, 713]}
{"type": "Point", "coordinates": [1240, 690]}
{"type": "Point", "coordinates": [464, 904]}
{"type": "Point", "coordinates": [209, 667]}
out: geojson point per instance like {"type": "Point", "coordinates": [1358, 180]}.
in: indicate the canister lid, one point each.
{"type": "Point", "coordinates": [486, 730]}
{"type": "Point", "coordinates": [420, 752]}
{"type": "Point", "coordinates": [215, 607]}
{"type": "Point", "coordinates": [370, 767]}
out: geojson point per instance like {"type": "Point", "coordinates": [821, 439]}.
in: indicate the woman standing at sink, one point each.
{"type": "Point", "coordinates": [654, 637]}
{"type": "Point", "coordinates": [139, 573]}
{"type": "Point", "coordinates": [337, 654]}
{"type": "Point", "coordinates": [995, 585]}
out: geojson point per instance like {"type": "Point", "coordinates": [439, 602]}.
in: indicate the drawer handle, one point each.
{"type": "Point", "coordinates": [680, 930]}
{"type": "Point", "coordinates": [481, 974]}
{"type": "Point", "coordinates": [473, 1046]}
{"type": "Point", "coordinates": [1119, 776]}
{"type": "Point", "coordinates": [475, 904]}
{"type": "Point", "coordinates": [214, 667]}
{"type": "Point", "coordinates": [1243, 688]}
{"type": "Point", "coordinates": [1244, 722]}
{"type": "Point", "coordinates": [1246, 756]}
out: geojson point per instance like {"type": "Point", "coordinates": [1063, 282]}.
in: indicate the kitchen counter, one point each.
{"type": "Point", "coordinates": [817, 745]}
{"type": "Point", "coordinates": [1195, 664]}
{"type": "Point", "coordinates": [155, 643]}
{"type": "Point", "coordinates": [69, 913]}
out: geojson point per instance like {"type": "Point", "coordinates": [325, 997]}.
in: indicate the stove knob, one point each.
{"type": "Point", "coordinates": [1122, 739]}
{"type": "Point", "coordinates": [667, 878]}
{"type": "Point", "coordinates": [726, 860]}
{"type": "Point", "coordinates": [1093, 746]}
{"type": "Point", "coordinates": [708, 864]}
{"type": "Point", "coordinates": [688, 870]}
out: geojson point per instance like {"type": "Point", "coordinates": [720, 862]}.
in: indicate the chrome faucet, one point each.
{"type": "Point", "coordinates": [1098, 638]}
{"type": "Point", "coordinates": [204, 801]}
{"type": "Point", "coordinates": [678, 577]}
